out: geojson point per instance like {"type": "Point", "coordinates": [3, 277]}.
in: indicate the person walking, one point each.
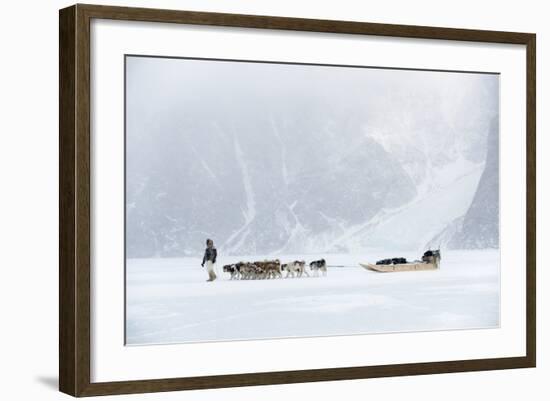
{"type": "Point", "coordinates": [209, 258]}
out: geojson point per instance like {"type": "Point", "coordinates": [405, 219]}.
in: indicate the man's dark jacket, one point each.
{"type": "Point", "coordinates": [209, 254]}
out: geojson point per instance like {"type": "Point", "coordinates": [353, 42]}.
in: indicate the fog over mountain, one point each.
{"type": "Point", "coordinates": [268, 158]}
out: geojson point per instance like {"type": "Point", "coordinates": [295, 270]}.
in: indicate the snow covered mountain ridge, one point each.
{"type": "Point", "coordinates": [394, 164]}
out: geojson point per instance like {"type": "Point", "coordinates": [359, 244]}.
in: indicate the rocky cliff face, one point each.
{"type": "Point", "coordinates": [480, 226]}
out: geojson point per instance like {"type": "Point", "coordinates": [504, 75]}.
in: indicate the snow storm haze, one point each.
{"type": "Point", "coordinates": [277, 159]}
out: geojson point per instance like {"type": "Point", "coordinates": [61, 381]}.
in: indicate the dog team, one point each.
{"type": "Point", "coordinates": [269, 269]}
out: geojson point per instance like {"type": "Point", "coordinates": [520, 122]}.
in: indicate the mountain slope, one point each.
{"type": "Point", "coordinates": [267, 158]}
{"type": "Point", "coordinates": [480, 226]}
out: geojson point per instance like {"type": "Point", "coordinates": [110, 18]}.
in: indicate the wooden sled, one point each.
{"type": "Point", "coordinates": [403, 267]}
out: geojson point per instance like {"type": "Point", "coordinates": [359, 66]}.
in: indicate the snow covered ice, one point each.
{"type": "Point", "coordinates": [169, 301]}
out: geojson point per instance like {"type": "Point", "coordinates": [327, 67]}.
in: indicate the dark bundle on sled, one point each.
{"type": "Point", "coordinates": [431, 256]}
{"type": "Point", "coordinates": [392, 261]}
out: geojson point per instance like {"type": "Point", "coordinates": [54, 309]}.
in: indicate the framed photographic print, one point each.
{"type": "Point", "coordinates": [250, 200]}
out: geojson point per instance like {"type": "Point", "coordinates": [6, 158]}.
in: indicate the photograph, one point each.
{"type": "Point", "coordinates": [268, 200]}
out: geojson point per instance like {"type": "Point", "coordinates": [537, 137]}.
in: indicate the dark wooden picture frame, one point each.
{"type": "Point", "coordinates": [74, 200]}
